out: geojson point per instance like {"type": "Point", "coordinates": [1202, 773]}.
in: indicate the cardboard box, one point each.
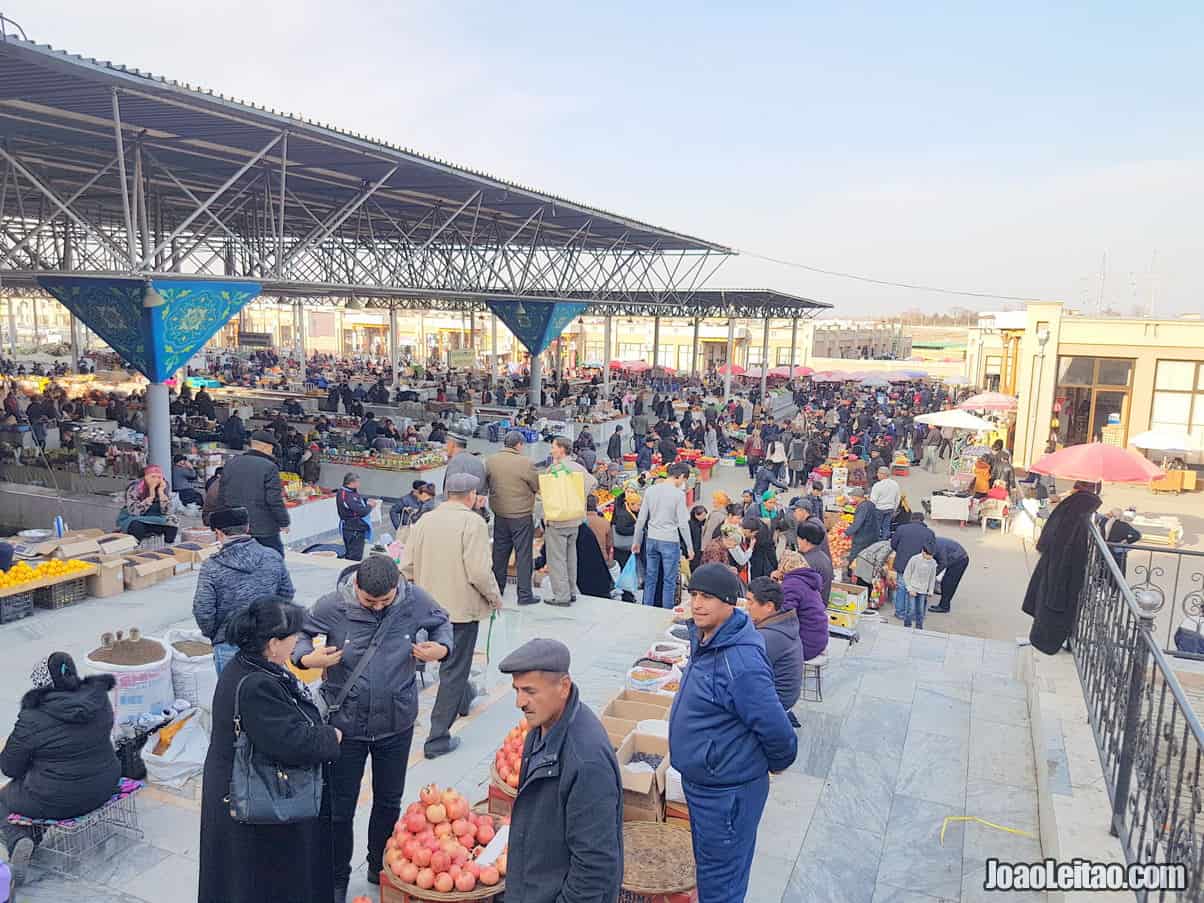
{"type": "Point", "coordinates": [644, 698]}
{"type": "Point", "coordinates": [109, 579]}
{"type": "Point", "coordinates": [499, 802]}
{"type": "Point", "coordinates": [145, 569]}
{"type": "Point", "coordinates": [625, 711]}
{"type": "Point", "coordinates": [677, 815]}
{"type": "Point", "coordinates": [191, 554]}
{"type": "Point", "coordinates": [849, 597]}
{"type": "Point", "coordinates": [116, 543]}
{"type": "Point", "coordinates": [643, 793]}
{"type": "Point", "coordinates": [77, 544]}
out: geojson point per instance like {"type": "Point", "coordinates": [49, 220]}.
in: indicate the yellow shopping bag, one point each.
{"type": "Point", "coordinates": [563, 494]}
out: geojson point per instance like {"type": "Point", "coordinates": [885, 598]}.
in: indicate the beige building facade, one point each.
{"type": "Point", "coordinates": [1082, 379]}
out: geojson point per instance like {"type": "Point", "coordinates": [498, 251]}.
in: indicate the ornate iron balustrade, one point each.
{"type": "Point", "coordinates": [1151, 743]}
{"type": "Point", "coordinates": [1174, 576]}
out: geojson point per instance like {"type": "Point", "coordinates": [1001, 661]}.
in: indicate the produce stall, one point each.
{"type": "Point", "coordinates": [376, 482]}
{"type": "Point", "coordinates": [316, 516]}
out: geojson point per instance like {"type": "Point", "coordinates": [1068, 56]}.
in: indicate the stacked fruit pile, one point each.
{"type": "Point", "coordinates": [437, 842]}
{"type": "Point", "coordinates": [508, 761]}
{"type": "Point", "coordinates": [840, 544]}
{"type": "Point", "coordinates": [21, 573]}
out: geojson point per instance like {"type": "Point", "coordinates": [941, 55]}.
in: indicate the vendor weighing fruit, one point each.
{"type": "Point", "coordinates": [566, 828]}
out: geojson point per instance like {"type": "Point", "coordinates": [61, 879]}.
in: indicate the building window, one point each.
{"type": "Point", "coordinates": [783, 357]}
{"type": "Point", "coordinates": [754, 355]}
{"type": "Point", "coordinates": [1092, 400]}
{"type": "Point", "coordinates": [1179, 398]}
{"type": "Point", "coordinates": [631, 352]}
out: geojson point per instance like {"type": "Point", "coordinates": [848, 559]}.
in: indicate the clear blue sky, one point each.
{"type": "Point", "coordinates": [1003, 148]}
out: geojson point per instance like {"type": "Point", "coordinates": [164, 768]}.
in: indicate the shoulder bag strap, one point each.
{"type": "Point", "coordinates": [378, 636]}
{"type": "Point", "coordinates": [237, 694]}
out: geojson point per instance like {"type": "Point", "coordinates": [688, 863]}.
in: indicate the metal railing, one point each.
{"type": "Point", "coordinates": [1173, 577]}
{"type": "Point", "coordinates": [1150, 742]}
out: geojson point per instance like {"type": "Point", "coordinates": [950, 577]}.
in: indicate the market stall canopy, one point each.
{"type": "Point", "coordinates": [878, 382]}
{"type": "Point", "coordinates": [955, 380]}
{"type": "Point", "coordinates": [989, 401]}
{"type": "Point", "coordinates": [734, 369]}
{"type": "Point", "coordinates": [956, 419]}
{"type": "Point", "coordinates": [754, 372]}
{"type": "Point", "coordinates": [788, 372]}
{"type": "Point", "coordinates": [1098, 463]}
{"type": "Point", "coordinates": [1165, 440]}
{"type": "Point", "coordinates": [634, 366]}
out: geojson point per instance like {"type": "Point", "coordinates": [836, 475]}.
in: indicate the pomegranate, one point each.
{"type": "Point", "coordinates": [465, 882]}
{"type": "Point", "coordinates": [440, 861]}
{"type": "Point", "coordinates": [459, 826]}
{"type": "Point", "coordinates": [501, 864]}
{"type": "Point", "coordinates": [415, 808]}
{"type": "Point", "coordinates": [429, 794]}
{"type": "Point", "coordinates": [473, 869]}
{"type": "Point", "coordinates": [408, 873]}
{"type": "Point", "coordinates": [459, 855]}
{"type": "Point", "coordinates": [490, 876]}
{"type": "Point", "coordinates": [485, 833]}
{"type": "Point", "coordinates": [415, 823]}
{"type": "Point", "coordinates": [449, 796]}
{"type": "Point", "coordinates": [444, 882]}
{"type": "Point", "coordinates": [436, 813]}
{"type": "Point", "coordinates": [468, 841]}
{"type": "Point", "coordinates": [422, 857]}
{"type": "Point", "coordinates": [425, 879]}
{"type": "Point", "coordinates": [443, 829]}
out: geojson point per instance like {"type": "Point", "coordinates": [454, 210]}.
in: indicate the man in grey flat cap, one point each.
{"type": "Point", "coordinates": [566, 828]}
{"type": "Point", "coordinates": [448, 556]}
{"type": "Point", "coordinates": [461, 460]}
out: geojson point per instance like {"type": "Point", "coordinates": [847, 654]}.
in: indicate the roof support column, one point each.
{"type": "Point", "coordinates": [12, 326]}
{"type": "Point", "coordinates": [493, 345]}
{"type": "Point", "coordinates": [533, 395]}
{"type": "Point", "coordinates": [74, 327]}
{"type": "Point", "coordinates": [656, 341]}
{"type": "Point", "coordinates": [731, 349]}
{"type": "Point", "coordinates": [158, 428]}
{"type": "Point", "coordinates": [299, 332]}
{"type": "Point", "coordinates": [125, 198]}
{"type": "Point", "coordinates": [764, 363]}
{"type": "Point", "coordinates": [606, 330]}
{"type": "Point", "coordinates": [793, 344]}
{"type": "Point", "coordinates": [694, 349]}
{"type": "Point", "coordinates": [394, 345]}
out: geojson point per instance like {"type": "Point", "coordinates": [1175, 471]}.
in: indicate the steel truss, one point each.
{"type": "Point", "coordinates": [123, 199]}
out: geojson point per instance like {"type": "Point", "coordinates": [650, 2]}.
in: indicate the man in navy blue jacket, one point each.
{"type": "Point", "coordinates": [727, 732]}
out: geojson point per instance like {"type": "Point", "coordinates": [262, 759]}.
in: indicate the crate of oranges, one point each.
{"type": "Point", "coordinates": [23, 577]}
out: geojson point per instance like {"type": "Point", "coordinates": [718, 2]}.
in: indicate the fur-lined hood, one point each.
{"type": "Point", "coordinates": [72, 705]}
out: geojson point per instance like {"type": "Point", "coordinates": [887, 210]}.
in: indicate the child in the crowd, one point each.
{"type": "Point", "coordinates": [919, 579]}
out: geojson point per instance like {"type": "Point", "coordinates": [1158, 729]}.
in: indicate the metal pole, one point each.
{"type": "Point", "coordinates": [793, 344]}
{"type": "Point", "coordinates": [36, 340]}
{"type": "Point", "coordinates": [158, 427]}
{"type": "Point", "coordinates": [493, 344]}
{"type": "Point", "coordinates": [731, 343]}
{"type": "Point", "coordinates": [764, 364]}
{"type": "Point", "coordinates": [1133, 727]}
{"type": "Point", "coordinates": [656, 341]}
{"type": "Point", "coordinates": [394, 345]}
{"type": "Point", "coordinates": [12, 327]}
{"type": "Point", "coordinates": [694, 349]}
{"type": "Point", "coordinates": [606, 328]}
{"type": "Point", "coordinates": [125, 199]}
{"type": "Point", "coordinates": [533, 396]}
{"type": "Point", "coordinates": [74, 343]}
{"type": "Point", "coordinates": [280, 234]}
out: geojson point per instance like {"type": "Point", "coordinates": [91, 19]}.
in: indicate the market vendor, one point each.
{"type": "Point", "coordinates": [354, 511]}
{"type": "Point", "coordinates": [148, 507]}
{"type": "Point", "coordinates": [184, 481]}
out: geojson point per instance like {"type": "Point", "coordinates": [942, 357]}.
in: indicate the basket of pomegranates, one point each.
{"type": "Point", "coordinates": [508, 760]}
{"type": "Point", "coordinates": [439, 851]}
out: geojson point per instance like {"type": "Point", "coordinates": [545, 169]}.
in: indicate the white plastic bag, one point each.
{"type": "Point", "coordinates": [193, 677]}
{"type": "Point", "coordinates": [184, 759]}
{"type": "Point", "coordinates": [652, 680]}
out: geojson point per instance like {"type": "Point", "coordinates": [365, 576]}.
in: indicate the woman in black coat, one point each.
{"type": "Point", "coordinates": [256, 863]}
{"type": "Point", "coordinates": [59, 754]}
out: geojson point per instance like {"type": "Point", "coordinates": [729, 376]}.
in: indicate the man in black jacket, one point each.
{"type": "Point", "coordinates": [566, 828]}
{"type": "Point", "coordinates": [353, 511]}
{"type": "Point", "coordinates": [909, 540]}
{"type": "Point", "coordinates": [614, 445]}
{"type": "Point", "coordinates": [252, 481]}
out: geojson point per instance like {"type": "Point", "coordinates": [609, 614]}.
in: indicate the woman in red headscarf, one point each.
{"type": "Point", "coordinates": [148, 507]}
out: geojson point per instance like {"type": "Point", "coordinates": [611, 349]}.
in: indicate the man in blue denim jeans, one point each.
{"type": "Point", "coordinates": [664, 517]}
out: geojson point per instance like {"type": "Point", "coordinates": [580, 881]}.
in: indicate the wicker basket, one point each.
{"type": "Point", "coordinates": [496, 780]}
{"type": "Point", "coordinates": [416, 893]}
{"type": "Point", "coordinates": [60, 595]}
{"type": "Point", "coordinates": [657, 859]}
{"type": "Point", "coordinates": [16, 607]}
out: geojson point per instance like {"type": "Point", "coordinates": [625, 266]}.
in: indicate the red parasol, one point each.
{"type": "Point", "coordinates": [635, 366]}
{"type": "Point", "coordinates": [1098, 463]}
{"type": "Point", "coordinates": [784, 371]}
{"type": "Point", "coordinates": [736, 370]}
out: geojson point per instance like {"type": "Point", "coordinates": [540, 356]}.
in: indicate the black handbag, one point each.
{"type": "Point", "coordinates": [268, 793]}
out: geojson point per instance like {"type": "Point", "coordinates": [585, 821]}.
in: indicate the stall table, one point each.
{"type": "Point", "coordinates": [316, 517]}
{"type": "Point", "coordinates": [376, 482]}
{"type": "Point", "coordinates": [951, 507]}
{"type": "Point", "coordinates": [1162, 530]}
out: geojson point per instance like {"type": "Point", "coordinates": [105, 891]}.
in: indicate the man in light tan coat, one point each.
{"type": "Point", "coordinates": [513, 484]}
{"type": "Point", "coordinates": [448, 556]}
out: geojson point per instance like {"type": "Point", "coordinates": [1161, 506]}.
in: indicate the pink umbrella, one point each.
{"type": "Point", "coordinates": [1098, 463]}
{"type": "Point", "coordinates": [635, 366]}
{"type": "Point", "coordinates": [785, 371]}
{"type": "Point", "coordinates": [753, 372]}
{"type": "Point", "coordinates": [664, 369]}
{"type": "Point", "coordinates": [736, 370]}
{"type": "Point", "coordinates": [989, 401]}
{"type": "Point", "coordinates": [616, 365]}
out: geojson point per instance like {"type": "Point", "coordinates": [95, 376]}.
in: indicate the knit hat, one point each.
{"type": "Point", "coordinates": [56, 670]}
{"type": "Point", "coordinates": [717, 580]}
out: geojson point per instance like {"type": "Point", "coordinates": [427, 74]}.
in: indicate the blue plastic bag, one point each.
{"type": "Point", "coordinates": [629, 577]}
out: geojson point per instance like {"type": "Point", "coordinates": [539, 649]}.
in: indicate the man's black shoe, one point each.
{"type": "Point", "coordinates": [939, 609]}
{"type": "Point", "coordinates": [373, 877]}
{"type": "Point", "coordinates": [528, 602]}
{"type": "Point", "coordinates": [434, 752]}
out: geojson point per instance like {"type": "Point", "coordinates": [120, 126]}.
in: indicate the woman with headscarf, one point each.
{"type": "Point", "coordinates": [148, 507]}
{"type": "Point", "coordinates": [59, 754]}
{"type": "Point", "coordinates": [728, 548]}
{"type": "Point", "coordinates": [698, 517]}
{"type": "Point", "coordinates": [710, 440]}
{"type": "Point", "coordinates": [622, 523]}
{"type": "Point", "coordinates": [719, 503]}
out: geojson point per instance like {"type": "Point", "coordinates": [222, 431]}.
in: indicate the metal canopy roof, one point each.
{"type": "Point", "coordinates": [59, 106]}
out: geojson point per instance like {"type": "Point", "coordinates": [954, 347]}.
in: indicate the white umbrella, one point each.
{"type": "Point", "coordinates": [1164, 440]}
{"type": "Point", "coordinates": [956, 419]}
{"type": "Point", "coordinates": [876, 382]}
{"type": "Point", "coordinates": [955, 380]}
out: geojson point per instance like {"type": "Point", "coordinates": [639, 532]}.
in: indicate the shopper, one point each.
{"type": "Point", "coordinates": [252, 481]}
{"type": "Point", "coordinates": [727, 731]}
{"type": "Point", "coordinates": [184, 481]}
{"type": "Point", "coordinates": [560, 536]}
{"type": "Point", "coordinates": [763, 557]}
{"type": "Point", "coordinates": [952, 559]}
{"type": "Point", "coordinates": [663, 525]}
{"type": "Point", "coordinates": [811, 541]}
{"type": "Point", "coordinates": [885, 498]}
{"type": "Point", "coordinates": [801, 592]}
{"type": "Point", "coordinates": [460, 460]}
{"type": "Point", "coordinates": [240, 572]}
{"type": "Point", "coordinates": [566, 828]}
{"type": "Point", "coordinates": [59, 754]}
{"type": "Point", "coordinates": [614, 445]}
{"type": "Point", "coordinates": [408, 510]}
{"type": "Point", "coordinates": [374, 617]}
{"type": "Point", "coordinates": [249, 863]}
{"type": "Point", "coordinates": [513, 485]}
{"type": "Point", "coordinates": [908, 541]}
{"type": "Point", "coordinates": [354, 511]}
{"type": "Point", "coordinates": [448, 556]}
{"type": "Point", "coordinates": [601, 529]}
{"type": "Point", "coordinates": [779, 628]}
{"type": "Point", "coordinates": [919, 579]}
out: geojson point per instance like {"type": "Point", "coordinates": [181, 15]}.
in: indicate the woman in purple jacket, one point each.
{"type": "Point", "coordinates": [801, 587]}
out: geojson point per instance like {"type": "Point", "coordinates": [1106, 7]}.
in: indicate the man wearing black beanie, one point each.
{"type": "Point", "coordinates": [727, 732]}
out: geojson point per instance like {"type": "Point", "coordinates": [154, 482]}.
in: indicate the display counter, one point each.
{"type": "Point", "coordinates": [376, 482]}
{"type": "Point", "coordinates": [313, 519]}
